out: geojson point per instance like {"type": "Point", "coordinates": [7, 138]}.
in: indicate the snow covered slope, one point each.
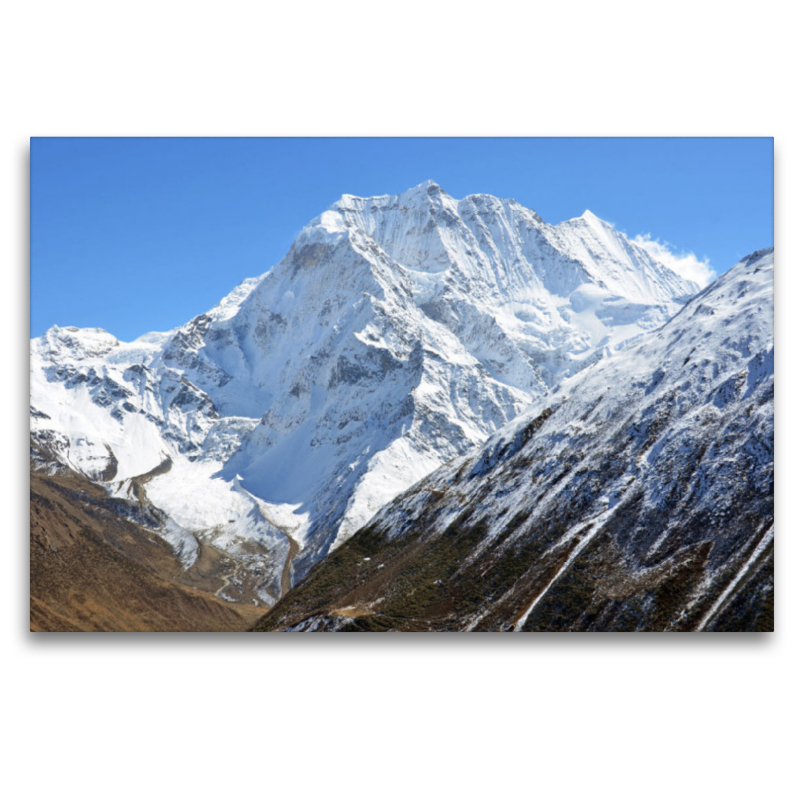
{"type": "Point", "coordinates": [636, 496]}
{"type": "Point", "coordinates": [397, 333]}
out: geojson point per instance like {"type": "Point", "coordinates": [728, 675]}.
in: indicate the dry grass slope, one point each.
{"type": "Point", "coordinates": [94, 570]}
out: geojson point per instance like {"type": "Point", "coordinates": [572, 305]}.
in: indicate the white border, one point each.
{"type": "Point", "coordinates": [208, 716]}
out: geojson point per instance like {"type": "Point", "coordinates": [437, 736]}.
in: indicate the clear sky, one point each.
{"type": "Point", "coordinates": [135, 235]}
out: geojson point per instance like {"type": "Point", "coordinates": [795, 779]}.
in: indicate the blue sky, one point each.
{"type": "Point", "coordinates": [134, 235]}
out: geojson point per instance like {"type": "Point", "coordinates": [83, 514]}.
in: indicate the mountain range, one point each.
{"type": "Point", "coordinates": [638, 495]}
{"type": "Point", "coordinates": [399, 334]}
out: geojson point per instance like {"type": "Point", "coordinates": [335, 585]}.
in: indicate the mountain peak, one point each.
{"type": "Point", "coordinates": [592, 219]}
{"type": "Point", "coordinates": [398, 332]}
{"type": "Point", "coordinates": [422, 195]}
{"type": "Point", "coordinates": [426, 186]}
{"type": "Point", "coordinates": [425, 189]}
{"type": "Point", "coordinates": [75, 342]}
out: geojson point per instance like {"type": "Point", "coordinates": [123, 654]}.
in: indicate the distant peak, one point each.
{"type": "Point", "coordinates": [57, 330]}
{"type": "Point", "coordinates": [757, 255]}
{"type": "Point", "coordinates": [426, 187]}
{"type": "Point", "coordinates": [591, 219]}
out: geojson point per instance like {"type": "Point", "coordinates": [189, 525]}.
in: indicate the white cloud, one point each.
{"type": "Point", "coordinates": [687, 265]}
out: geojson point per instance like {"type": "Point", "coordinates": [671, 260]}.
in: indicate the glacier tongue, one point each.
{"type": "Point", "coordinates": [397, 333]}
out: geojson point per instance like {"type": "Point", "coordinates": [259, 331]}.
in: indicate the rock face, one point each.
{"type": "Point", "coordinates": [398, 333]}
{"type": "Point", "coordinates": [636, 496]}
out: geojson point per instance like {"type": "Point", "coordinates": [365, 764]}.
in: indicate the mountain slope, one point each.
{"type": "Point", "coordinates": [93, 568]}
{"type": "Point", "coordinates": [637, 496]}
{"type": "Point", "coordinates": [398, 333]}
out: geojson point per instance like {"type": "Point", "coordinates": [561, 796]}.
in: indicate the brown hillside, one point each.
{"type": "Point", "coordinates": [93, 570]}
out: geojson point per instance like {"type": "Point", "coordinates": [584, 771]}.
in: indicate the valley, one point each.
{"type": "Point", "coordinates": [437, 414]}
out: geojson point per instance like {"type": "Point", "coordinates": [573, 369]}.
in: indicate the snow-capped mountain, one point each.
{"type": "Point", "coordinates": [397, 333]}
{"type": "Point", "coordinates": [638, 495]}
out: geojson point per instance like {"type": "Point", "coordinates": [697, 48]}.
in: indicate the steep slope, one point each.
{"type": "Point", "coordinates": [398, 333]}
{"type": "Point", "coordinates": [637, 496]}
{"type": "Point", "coordinates": [93, 568]}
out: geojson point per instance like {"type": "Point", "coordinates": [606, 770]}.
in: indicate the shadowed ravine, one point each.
{"type": "Point", "coordinates": [286, 575]}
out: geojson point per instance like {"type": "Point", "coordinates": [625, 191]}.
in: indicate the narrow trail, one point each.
{"type": "Point", "coordinates": [234, 563]}
{"type": "Point", "coordinates": [226, 579]}
{"type": "Point", "coordinates": [286, 575]}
